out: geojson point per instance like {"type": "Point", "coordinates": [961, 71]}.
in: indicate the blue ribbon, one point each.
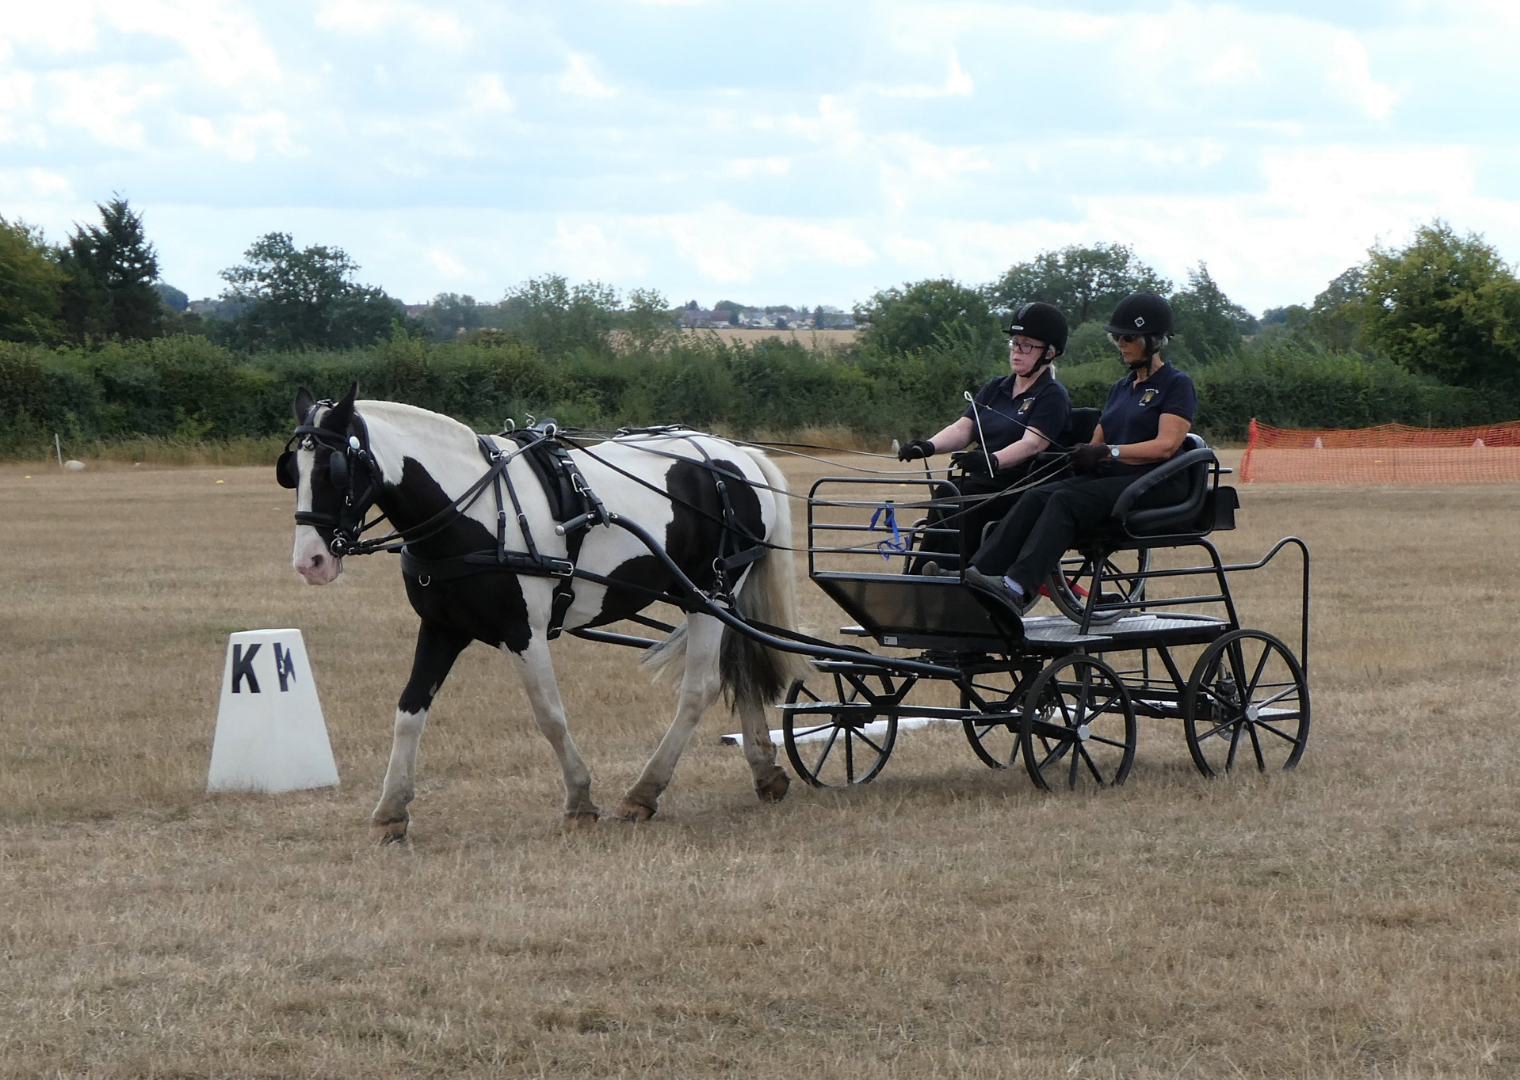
{"type": "Point", "coordinates": [887, 515]}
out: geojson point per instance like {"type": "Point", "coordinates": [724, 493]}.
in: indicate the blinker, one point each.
{"type": "Point", "coordinates": [285, 469]}
{"type": "Point", "coordinates": [337, 470]}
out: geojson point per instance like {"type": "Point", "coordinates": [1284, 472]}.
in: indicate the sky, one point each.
{"type": "Point", "coordinates": [780, 153]}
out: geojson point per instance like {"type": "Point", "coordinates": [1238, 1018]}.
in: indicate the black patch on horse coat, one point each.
{"type": "Point", "coordinates": [487, 607]}
{"type": "Point", "coordinates": [693, 538]}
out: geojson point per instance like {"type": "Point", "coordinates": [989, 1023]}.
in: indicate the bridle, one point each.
{"type": "Point", "coordinates": [350, 457]}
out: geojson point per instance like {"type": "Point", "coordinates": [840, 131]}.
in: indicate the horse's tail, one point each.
{"type": "Point", "coordinates": [752, 674]}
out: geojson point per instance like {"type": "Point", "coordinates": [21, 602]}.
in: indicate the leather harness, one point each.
{"type": "Point", "coordinates": [572, 504]}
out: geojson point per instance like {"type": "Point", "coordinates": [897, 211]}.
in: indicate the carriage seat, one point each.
{"type": "Point", "coordinates": [1205, 508]}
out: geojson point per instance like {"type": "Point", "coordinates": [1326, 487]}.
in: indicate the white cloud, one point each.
{"type": "Point", "coordinates": [240, 137]}
{"type": "Point", "coordinates": [371, 17]}
{"type": "Point", "coordinates": [102, 102]}
{"type": "Point", "coordinates": [488, 93]}
{"type": "Point", "coordinates": [1351, 75]}
{"type": "Point", "coordinates": [579, 80]}
{"type": "Point", "coordinates": [957, 84]}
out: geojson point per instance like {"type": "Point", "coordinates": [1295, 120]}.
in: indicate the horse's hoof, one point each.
{"type": "Point", "coordinates": [635, 812]}
{"type": "Point", "coordinates": [580, 819]}
{"type": "Point", "coordinates": [389, 832]}
{"type": "Point", "coordinates": [774, 789]}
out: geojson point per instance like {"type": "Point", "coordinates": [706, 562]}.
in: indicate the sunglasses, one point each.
{"type": "Point", "coordinates": [1127, 339]}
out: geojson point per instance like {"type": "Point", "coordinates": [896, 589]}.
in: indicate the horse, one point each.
{"type": "Point", "coordinates": [476, 572]}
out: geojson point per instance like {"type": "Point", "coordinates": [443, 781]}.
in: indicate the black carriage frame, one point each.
{"type": "Point", "coordinates": [1245, 698]}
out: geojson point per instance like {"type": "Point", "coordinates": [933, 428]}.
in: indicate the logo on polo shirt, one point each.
{"type": "Point", "coordinates": [1025, 405]}
{"type": "Point", "coordinates": [1149, 396]}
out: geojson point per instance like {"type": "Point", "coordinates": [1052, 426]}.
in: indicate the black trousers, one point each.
{"type": "Point", "coordinates": [1030, 540]}
{"type": "Point", "coordinates": [968, 518]}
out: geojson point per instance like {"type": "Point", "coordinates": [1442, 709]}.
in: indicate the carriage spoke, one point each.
{"type": "Point", "coordinates": [867, 740]}
{"type": "Point", "coordinates": [1105, 742]}
{"type": "Point", "coordinates": [1261, 666]}
{"type": "Point", "coordinates": [827, 748]}
{"type": "Point", "coordinates": [1229, 762]}
{"type": "Point", "coordinates": [1261, 762]}
{"type": "Point", "coordinates": [1280, 734]}
{"type": "Point", "coordinates": [1092, 767]}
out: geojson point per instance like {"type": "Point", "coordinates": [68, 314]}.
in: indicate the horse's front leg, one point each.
{"type": "Point", "coordinates": [437, 649]}
{"type": "Point", "coordinates": [549, 713]}
{"type": "Point", "coordinates": [699, 686]}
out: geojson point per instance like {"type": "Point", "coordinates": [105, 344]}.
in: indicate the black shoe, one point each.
{"type": "Point", "coordinates": [1003, 606]}
{"type": "Point", "coordinates": [931, 569]}
{"type": "Point", "coordinates": [995, 587]}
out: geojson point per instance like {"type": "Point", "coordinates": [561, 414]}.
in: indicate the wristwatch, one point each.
{"type": "Point", "coordinates": [1113, 452]}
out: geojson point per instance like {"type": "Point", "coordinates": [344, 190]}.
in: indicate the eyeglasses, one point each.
{"type": "Point", "coordinates": [1125, 339]}
{"type": "Point", "coordinates": [1025, 347]}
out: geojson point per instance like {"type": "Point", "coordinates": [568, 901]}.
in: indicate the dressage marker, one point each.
{"type": "Point", "coordinates": [270, 735]}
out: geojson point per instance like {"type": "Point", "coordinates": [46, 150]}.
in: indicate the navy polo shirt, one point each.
{"type": "Point", "coordinates": [1133, 413]}
{"type": "Point", "coordinates": [1045, 407]}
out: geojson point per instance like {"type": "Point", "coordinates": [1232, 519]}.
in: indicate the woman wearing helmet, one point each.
{"type": "Point", "coordinates": [1013, 418]}
{"type": "Point", "coordinates": [1144, 423]}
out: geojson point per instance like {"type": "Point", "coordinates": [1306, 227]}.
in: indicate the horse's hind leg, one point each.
{"type": "Point", "coordinates": [437, 649]}
{"type": "Point", "coordinates": [549, 713]}
{"type": "Point", "coordinates": [699, 686]}
{"type": "Point", "coordinates": [771, 780]}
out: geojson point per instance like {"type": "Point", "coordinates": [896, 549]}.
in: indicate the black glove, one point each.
{"type": "Point", "coordinates": [1087, 457]}
{"type": "Point", "coordinates": [914, 449]}
{"type": "Point", "coordinates": [974, 463]}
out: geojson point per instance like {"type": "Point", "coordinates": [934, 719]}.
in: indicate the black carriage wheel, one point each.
{"type": "Point", "coordinates": [1078, 726]}
{"type": "Point", "coordinates": [842, 739]}
{"type": "Point", "coordinates": [1246, 703]}
{"type": "Point", "coordinates": [1068, 588]}
{"type": "Point", "coordinates": [994, 742]}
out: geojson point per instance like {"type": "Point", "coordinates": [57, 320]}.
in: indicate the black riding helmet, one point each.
{"type": "Point", "coordinates": [1141, 313]}
{"type": "Point", "coordinates": [1043, 322]}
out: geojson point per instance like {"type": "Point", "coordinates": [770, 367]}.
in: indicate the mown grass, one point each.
{"type": "Point", "coordinates": [1355, 918]}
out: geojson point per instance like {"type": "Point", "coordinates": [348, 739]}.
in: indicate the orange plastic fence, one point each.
{"type": "Point", "coordinates": [1387, 454]}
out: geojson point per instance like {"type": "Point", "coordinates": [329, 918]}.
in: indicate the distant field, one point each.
{"type": "Point", "coordinates": [813, 339]}
{"type": "Point", "coordinates": [1357, 918]}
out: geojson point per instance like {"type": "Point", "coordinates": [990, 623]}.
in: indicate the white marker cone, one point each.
{"type": "Point", "coordinates": [270, 735]}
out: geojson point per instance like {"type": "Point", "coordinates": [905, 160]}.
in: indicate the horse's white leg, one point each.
{"type": "Point", "coordinates": [549, 713]}
{"type": "Point", "coordinates": [699, 686]}
{"type": "Point", "coordinates": [771, 780]}
{"type": "Point", "coordinates": [435, 654]}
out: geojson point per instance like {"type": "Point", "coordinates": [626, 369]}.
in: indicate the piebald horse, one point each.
{"type": "Point", "coordinates": [427, 474]}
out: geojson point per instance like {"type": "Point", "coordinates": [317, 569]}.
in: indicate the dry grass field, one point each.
{"type": "Point", "coordinates": [1358, 917]}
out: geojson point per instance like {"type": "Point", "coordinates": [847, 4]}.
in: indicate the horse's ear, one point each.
{"type": "Point", "coordinates": [303, 405]}
{"type": "Point", "coordinates": [349, 398]}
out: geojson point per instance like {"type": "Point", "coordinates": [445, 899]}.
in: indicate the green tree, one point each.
{"type": "Point", "coordinates": [30, 285]}
{"type": "Point", "coordinates": [1209, 322]}
{"type": "Point", "coordinates": [920, 314]}
{"type": "Point", "coordinates": [450, 315]}
{"type": "Point", "coordinates": [1084, 282]}
{"type": "Point", "coordinates": [111, 271]}
{"type": "Point", "coordinates": [647, 323]}
{"type": "Point", "coordinates": [556, 318]}
{"type": "Point", "coordinates": [303, 299]}
{"type": "Point", "coordinates": [1445, 305]}
{"type": "Point", "coordinates": [1335, 319]}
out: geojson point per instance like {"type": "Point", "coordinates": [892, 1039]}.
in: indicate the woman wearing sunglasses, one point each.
{"type": "Point", "coordinates": [1147, 417]}
{"type": "Point", "coordinates": [1013, 418]}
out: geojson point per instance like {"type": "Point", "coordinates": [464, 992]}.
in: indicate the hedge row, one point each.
{"type": "Point", "coordinates": [188, 389]}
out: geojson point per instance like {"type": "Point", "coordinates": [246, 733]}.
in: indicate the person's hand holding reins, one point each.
{"type": "Point", "coordinates": [973, 463]}
{"type": "Point", "coordinates": [1088, 456]}
{"type": "Point", "coordinates": [914, 449]}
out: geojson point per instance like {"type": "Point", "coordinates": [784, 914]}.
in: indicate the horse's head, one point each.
{"type": "Point", "coordinates": [328, 464]}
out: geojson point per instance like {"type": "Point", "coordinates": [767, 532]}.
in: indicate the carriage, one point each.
{"type": "Point", "coordinates": [1067, 694]}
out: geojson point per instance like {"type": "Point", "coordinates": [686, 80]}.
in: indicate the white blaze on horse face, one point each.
{"type": "Point", "coordinates": [311, 558]}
